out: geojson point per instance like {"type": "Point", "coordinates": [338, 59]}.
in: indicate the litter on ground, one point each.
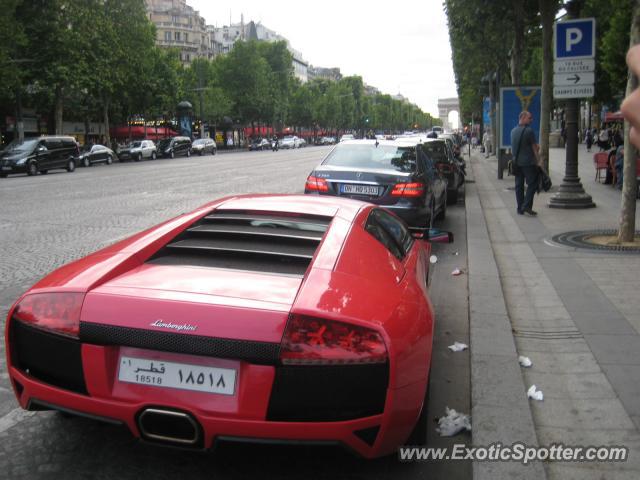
{"type": "Point", "coordinates": [453, 423]}
{"type": "Point", "coordinates": [458, 347]}
{"type": "Point", "coordinates": [524, 361]}
{"type": "Point", "coordinates": [535, 394]}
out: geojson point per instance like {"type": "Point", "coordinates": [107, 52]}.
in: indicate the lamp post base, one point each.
{"type": "Point", "coordinates": [571, 195]}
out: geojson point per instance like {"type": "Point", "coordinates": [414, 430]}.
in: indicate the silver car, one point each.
{"type": "Point", "coordinates": [138, 150]}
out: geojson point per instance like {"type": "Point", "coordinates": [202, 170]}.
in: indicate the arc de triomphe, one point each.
{"type": "Point", "coordinates": [445, 106]}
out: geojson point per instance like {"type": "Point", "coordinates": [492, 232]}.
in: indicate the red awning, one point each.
{"type": "Point", "coordinates": [138, 132]}
{"type": "Point", "coordinates": [613, 117]}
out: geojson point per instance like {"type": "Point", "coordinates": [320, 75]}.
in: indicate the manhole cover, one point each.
{"type": "Point", "coordinates": [585, 239]}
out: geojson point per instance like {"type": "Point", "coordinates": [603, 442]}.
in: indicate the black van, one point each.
{"type": "Point", "coordinates": [174, 147]}
{"type": "Point", "coordinates": [39, 154]}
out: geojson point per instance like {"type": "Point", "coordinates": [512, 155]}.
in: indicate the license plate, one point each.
{"type": "Point", "coordinates": [183, 376]}
{"type": "Point", "coordinates": [360, 189]}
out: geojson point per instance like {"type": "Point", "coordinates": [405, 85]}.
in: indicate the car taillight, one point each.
{"type": "Point", "coordinates": [316, 184]}
{"type": "Point", "coordinates": [408, 190]}
{"type": "Point", "coordinates": [313, 341]}
{"type": "Point", "coordinates": [58, 312]}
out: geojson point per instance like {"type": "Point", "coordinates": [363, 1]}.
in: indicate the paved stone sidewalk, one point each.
{"type": "Point", "coordinates": [574, 313]}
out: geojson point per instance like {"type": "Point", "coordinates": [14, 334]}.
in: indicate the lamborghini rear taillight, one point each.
{"type": "Point", "coordinates": [313, 341]}
{"type": "Point", "coordinates": [58, 312]}
{"type": "Point", "coordinates": [316, 184]}
{"type": "Point", "coordinates": [408, 190]}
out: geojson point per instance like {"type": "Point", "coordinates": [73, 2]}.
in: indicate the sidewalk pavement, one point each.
{"type": "Point", "coordinates": [574, 312]}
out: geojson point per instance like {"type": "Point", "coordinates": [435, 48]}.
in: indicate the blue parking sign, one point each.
{"type": "Point", "coordinates": [574, 39]}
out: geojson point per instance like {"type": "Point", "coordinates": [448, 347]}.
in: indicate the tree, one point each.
{"type": "Point", "coordinates": [627, 227]}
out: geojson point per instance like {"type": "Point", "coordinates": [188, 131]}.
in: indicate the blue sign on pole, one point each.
{"type": "Point", "coordinates": [514, 100]}
{"type": "Point", "coordinates": [486, 111]}
{"type": "Point", "coordinates": [574, 39]}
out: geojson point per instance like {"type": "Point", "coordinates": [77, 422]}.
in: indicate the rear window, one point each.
{"type": "Point", "coordinates": [437, 151]}
{"type": "Point", "coordinates": [401, 159]}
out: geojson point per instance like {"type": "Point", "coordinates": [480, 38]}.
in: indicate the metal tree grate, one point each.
{"type": "Point", "coordinates": [580, 239]}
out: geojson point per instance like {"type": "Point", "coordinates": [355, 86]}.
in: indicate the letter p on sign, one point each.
{"type": "Point", "coordinates": [574, 37]}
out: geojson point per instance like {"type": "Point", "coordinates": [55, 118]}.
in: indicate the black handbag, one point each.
{"type": "Point", "coordinates": [544, 182]}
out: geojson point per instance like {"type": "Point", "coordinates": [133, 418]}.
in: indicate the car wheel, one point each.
{"type": "Point", "coordinates": [153, 155]}
{"type": "Point", "coordinates": [214, 151]}
{"type": "Point", "coordinates": [139, 157]}
{"type": "Point", "coordinates": [71, 165]}
{"type": "Point", "coordinates": [188, 153]}
{"type": "Point", "coordinates": [419, 434]}
{"type": "Point", "coordinates": [86, 162]}
{"type": "Point", "coordinates": [32, 169]}
{"type": "Point", "coordinates": [172, 155]}
{"type": "Point", "coordinates": [109, 160]}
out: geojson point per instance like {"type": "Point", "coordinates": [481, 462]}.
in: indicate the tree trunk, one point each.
{"type": "Point", "coordinates": [548, 9]}
{"type": "Point", "coordinates": [630, 183]}
{"type": "Point", "coordinates": [105, 111]}
{"type": "Point", "coordinates": [518, 42]}
{"type": "Point", "coordinates": [59, 109]}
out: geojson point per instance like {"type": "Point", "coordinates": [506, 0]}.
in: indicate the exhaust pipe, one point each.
{"type": "Point", "coordinates": [169, 426]}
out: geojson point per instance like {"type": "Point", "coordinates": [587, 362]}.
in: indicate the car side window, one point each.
{"type": "Point", "coordinates": [388, 231]}
{"type": "Point", "coordinates": [428, 164]}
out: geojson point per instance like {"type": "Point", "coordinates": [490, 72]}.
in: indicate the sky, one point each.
{"type": "Point", "coordinates": [397, 47]}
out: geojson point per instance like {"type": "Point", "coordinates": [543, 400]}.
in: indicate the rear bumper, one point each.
{"type": "Point", "coordinates": [369, 437]}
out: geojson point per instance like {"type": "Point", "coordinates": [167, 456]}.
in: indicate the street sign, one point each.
{"type": "Point", "coordinates": [574, 79]}
{"type": "Point", "coordinates": [574, 66]}
{"type": "Point", "coordinates": [582, 91]}
{"type": "Point", "coordinates": [574, 39]}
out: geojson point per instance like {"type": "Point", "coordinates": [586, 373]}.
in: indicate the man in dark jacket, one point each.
{"type": "Point", "coordinates": [526, 159]}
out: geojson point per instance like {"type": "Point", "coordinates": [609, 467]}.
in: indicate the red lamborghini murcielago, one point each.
{"type": "Point", "coordinates": [262, 317]}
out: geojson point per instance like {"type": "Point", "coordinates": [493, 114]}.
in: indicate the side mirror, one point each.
{"type": "Point", "coordinates": [434, 235]}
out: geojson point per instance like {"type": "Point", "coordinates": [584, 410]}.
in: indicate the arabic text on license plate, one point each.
{"type": "Point", "coordinates": [159, 373]}
{"type": "Point", "coordinates": [360, 189]}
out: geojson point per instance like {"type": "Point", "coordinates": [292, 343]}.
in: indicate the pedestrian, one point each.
{"type": "Point", "coordinates": [526, 161]}
{"type": "Point", "coordinates": [603, 139]}
{"type": "Point", "coordinates": [486, 141]}
{"type": "Point", "coordinates": [589, 139]}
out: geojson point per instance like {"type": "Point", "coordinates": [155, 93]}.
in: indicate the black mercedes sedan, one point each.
{"type": "Point", "coordinates": [440, 152]}
{"type": "Point", "coordinates": [398, 175]}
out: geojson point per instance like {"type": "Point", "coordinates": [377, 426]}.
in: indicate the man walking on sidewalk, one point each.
{"type": "Point", "coordinates": [526, 161]}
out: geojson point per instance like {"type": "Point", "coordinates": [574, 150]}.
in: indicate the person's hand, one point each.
{"type": "Point", "coordinates": [631, 105]}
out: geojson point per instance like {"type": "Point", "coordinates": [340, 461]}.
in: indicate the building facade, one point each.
{"type": "Point", "coordinates": [332, 74]}
{"type": "Point", "coordinates": [180, 26]}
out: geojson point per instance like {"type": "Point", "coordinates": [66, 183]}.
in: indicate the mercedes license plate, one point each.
{"type": "Point", "coordinates": [360, 189]}
{"type": "Point", "coordinates": [177, 375]}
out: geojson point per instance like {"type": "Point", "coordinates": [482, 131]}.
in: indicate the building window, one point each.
{"type": "Point", "coordinates": [175, 19]}
{"type": "Point", "coordinates": [186, 37]}
{"type": "Point", "coordinates": [177, 36]}
{"type": "Point", "coordinates": [167, 36]}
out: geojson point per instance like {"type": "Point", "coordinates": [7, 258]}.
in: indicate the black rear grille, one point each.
{"type": "Point", "coordinates": [331, 393]}
{"type": "Point", "coordinates": [50, 358]}
{"type": "Point", "coordinates": [241, 240]}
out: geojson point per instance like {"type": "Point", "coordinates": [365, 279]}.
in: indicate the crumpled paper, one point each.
{"type": "Point", "coordinates": [457, 272]}
{"type": "Point", "coordinates": [535, 394]}
{"type": "Point", "coordinates": [524, 361]}
{"type": "Point", "coordinates": [458, 347]}
{"type": "Point", "coordinates": [453, 423]}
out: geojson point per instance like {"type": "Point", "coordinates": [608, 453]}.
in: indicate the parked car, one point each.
{"type": "Point", "coordinates": [174, 147]}
{"type": "Point", "coordinates": [302, 143]}
{"type": "Point", "coordinates": [138, 150]}
{"type": "Point", "coordinates": [441, 154]}
{"type": "Point", "coordinates": [346, 137]}
{"type": "Point", "coordinates": [39, 154]}
{"type": "Point", "coordinates": [290, 141]}
{"type": "Point", "coordinates": [91, 154]}
{"type": "Point", "coordinates": [395, 174]}
{"type": "Point", "coordinates": [260, 144]}
{"type": "Point", "coordinates": [202, 146]}
{"type": "Point", "coordinates": [295, 326]}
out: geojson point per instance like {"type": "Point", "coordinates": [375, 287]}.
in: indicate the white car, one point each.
{"type": "Point", "coordinates": [347, 136]}
{"type": "Point", "coordinates": [138, 150]}
{"type": "Point", "coordinates": [290, 141]}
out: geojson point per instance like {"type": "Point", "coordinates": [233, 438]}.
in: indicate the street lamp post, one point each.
{"type": "Point", "coordinates": [571, 193]}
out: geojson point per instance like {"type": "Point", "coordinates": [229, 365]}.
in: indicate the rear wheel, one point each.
{"type": "Point", "coordinates": [109, 160]}
{"type": "Point", "coordinates": [86, 162]}
{"type": "Point", "coordinates": [153, 155]}
{"type": "Point", "coordinates": [139, 157]}
{"type": "Point", "coordinates": [71, 165]}
{"type": "Point", "coordinates": [32, 169]}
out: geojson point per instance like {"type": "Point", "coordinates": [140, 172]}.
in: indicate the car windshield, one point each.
{"type": "Point", "coordinates": [436, 150]}
{"type": "Point", "coordinates": [199, 142]}
{"type": "Point", "coordinates": [21, 147]}
{"type": "Point", "coordinates": [135, 144]}
{"type": "Point", "coordinates": [164, 143]}
{"type": "Point", "coordinates": [401, 159]}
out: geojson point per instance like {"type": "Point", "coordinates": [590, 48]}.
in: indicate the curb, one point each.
{"type": "Point", "coordinates": [500, 408]}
